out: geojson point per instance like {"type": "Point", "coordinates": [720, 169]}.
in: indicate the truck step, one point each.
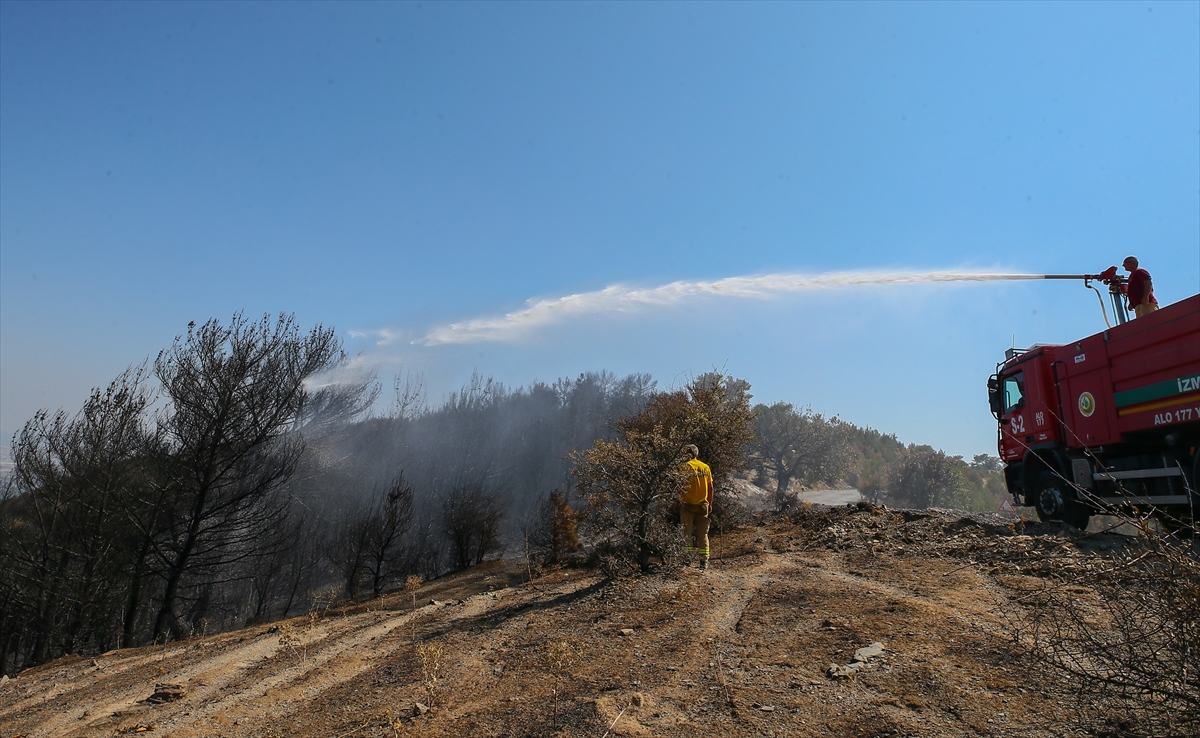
{"type": "Point", "coordinates": [1158, 500]}
{"type": "Point", "coordinates": [1140, 474]}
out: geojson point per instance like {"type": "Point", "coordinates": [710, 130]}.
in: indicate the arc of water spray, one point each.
{"type": "Point", "coordinates": [624, 298]}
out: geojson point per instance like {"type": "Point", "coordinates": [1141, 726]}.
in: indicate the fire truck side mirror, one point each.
{"type": "Point", "coordinates": [995, 398]}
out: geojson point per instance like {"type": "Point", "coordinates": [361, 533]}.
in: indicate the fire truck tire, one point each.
{"type": "Point", "coordinates": [1055, 500]}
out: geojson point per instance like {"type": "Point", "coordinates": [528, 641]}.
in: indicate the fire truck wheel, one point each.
{"type": "Point", "coordinates": [1055, 500]}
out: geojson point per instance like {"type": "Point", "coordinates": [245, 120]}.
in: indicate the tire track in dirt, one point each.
{"type": "Point", "coordinates": [84, 675]}
{"type": "Point", "coordinates": [725, 617]}
{"type": "Point", "coordinates": [215, 674]}
{"type": "Point", "coordinates": [292, 688]}
{"type": "Point", "coordinates": [732, 587]}
{"type": "Point", "coordinates": [84, 716]}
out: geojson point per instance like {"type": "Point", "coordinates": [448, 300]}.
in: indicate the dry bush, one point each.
{"type": "Point", "coordinates": [431, 655]}
{"type": "Point", "coordinates": [630, 483]}
{"type": "Point", "coordinates": [559, 657]}
{"type": "Point", "coordinates": [728, 512]}
{"type": "Point", "coordinates": [1129, 660]}
{"type": "Point", "coordinates": [552, 536]}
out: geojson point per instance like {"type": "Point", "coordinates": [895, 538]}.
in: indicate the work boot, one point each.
{"type": "Point", "coordinates": [703, 564]}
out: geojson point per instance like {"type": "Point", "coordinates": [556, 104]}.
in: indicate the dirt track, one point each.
{"type": "Point", "coordinates": [742, 649]}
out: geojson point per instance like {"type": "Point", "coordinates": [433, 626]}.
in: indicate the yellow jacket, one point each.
{"type": "Point", "coordinates": [698, 487]}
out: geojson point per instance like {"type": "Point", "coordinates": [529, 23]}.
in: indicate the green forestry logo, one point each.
{"type": "Point", "coordinates": [1087, 404]}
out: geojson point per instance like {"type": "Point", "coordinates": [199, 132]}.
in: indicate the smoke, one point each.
{"type": "Point", "coordinates": [623, 299]}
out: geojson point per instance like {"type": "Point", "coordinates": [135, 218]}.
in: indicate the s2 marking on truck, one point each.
{"type": "Point", "coordinates": [1017, 424]}
{"type": "Point", "coordinates": [1087, 404]}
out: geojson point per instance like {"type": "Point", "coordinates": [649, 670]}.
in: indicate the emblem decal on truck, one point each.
{"type": "Point", "coordinates": [1087, 404]}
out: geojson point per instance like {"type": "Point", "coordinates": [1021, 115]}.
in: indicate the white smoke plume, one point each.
{"type": "Point", "coordinates": [623, 298]}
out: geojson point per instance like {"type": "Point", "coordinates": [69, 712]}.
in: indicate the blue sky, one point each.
{"type": "Point", "coordinates": [396, 169]}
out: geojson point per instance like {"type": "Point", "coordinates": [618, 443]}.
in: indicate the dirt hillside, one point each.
{"type": "Point", "coordinates": [763, 643]}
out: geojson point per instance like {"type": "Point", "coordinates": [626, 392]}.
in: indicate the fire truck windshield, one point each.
{"type": "Point", "coordinates": [1014, 391]}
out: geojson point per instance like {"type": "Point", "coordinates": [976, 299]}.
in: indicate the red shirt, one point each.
{"type": "Point", "coordinates": [1138, 293]}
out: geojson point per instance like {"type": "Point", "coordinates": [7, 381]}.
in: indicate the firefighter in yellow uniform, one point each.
{"type": "Point", "coordinates": [695, 504]}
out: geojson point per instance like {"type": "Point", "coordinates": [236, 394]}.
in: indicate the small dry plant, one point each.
{"type": "Point", "coordinates": [559, 656]}
{"type": "Point", "coordinates": [290, 639]}
{"type": "Point", "coordinates": [1129, 658]}
{"type": "Point", "coordinates": [431, 654]}
{"type": "Point", "coordinates": [721, 682]}
{"type": "Point", "coordinates": [395, 722]}
{"type": "Point", "coordinates": [323, 598]}
{"type": "Point", "coordinates": [411, 585]}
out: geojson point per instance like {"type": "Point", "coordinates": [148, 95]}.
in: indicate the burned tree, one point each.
{"type": "Point", "coordinates": [390, 521]}
{"type": "Point", "coordinates": [69, 555]}
{"type": "Point", "coordinates": [370, 548]}
{"type": "Point", "coordinates": [235, 392]}
{"type": "Point", "coordinates": [471, 517]}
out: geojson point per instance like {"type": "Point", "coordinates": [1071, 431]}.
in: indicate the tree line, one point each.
{"type": "Point", "coordinates": [794, 446]}
{"type": "Point", "coordinates": [232, 480]}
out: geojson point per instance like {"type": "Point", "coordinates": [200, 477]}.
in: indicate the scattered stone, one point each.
{"type": "Point", "coordinates": [626, 631]}
{"type": "Point", "coordinates": [273, 629]}
{"type": "Point", "coordinates": [842, 672]}
{"type": "Point", "coordinates": [869, 652]}
{"type": "Point", "coordinates": [167, 693]}
{"type": "Point", "coordinates": [767, 708]}
{"type": "Point", "coordinates": [436, 603]}
{"type": "Point", "coordinates": [638, 700]}
{"type": "Point", "coordinates": [419, 709]}
{"type": "Point", "coordinates": [4, 679]}
{"type": "Point", "coordinates": [861, 658]}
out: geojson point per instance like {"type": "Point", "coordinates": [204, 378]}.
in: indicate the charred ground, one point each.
{"type": "Point", "coordinates": [743, 649]}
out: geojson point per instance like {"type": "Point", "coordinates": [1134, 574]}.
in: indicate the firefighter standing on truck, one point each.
{"type": "Point", "coordinates": [695, 504]}
{"type": "Point", "coordinates": [1140, 289]}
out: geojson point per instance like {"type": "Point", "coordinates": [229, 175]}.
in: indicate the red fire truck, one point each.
{"type": "Point", "coordinates": [1109, 421]}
